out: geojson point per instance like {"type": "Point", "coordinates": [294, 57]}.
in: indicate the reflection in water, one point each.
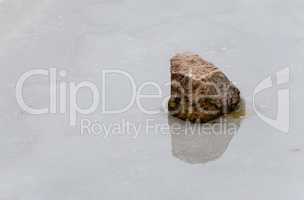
{"type": "Point", "coordinates": [200, 143]}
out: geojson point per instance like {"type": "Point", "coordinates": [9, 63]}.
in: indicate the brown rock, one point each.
{"type": "Point", "coordinates": [199, 90]}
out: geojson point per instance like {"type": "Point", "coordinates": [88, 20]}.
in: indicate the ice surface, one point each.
{"type": "Point", "coordinates": [42, 157]}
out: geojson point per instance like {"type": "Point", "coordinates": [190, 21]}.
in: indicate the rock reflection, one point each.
{"type": "Point", "coordinates": [200, 143]}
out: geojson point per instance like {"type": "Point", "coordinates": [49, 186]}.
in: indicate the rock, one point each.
{"type": "Point", "coordinates": [200, 92]}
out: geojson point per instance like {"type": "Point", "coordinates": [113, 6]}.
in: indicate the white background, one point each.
{"type": "Point", "coordinates": [42, 157]}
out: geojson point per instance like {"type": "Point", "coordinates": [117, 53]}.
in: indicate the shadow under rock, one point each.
{"type": "Point", "coordinates": [197, 143]}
